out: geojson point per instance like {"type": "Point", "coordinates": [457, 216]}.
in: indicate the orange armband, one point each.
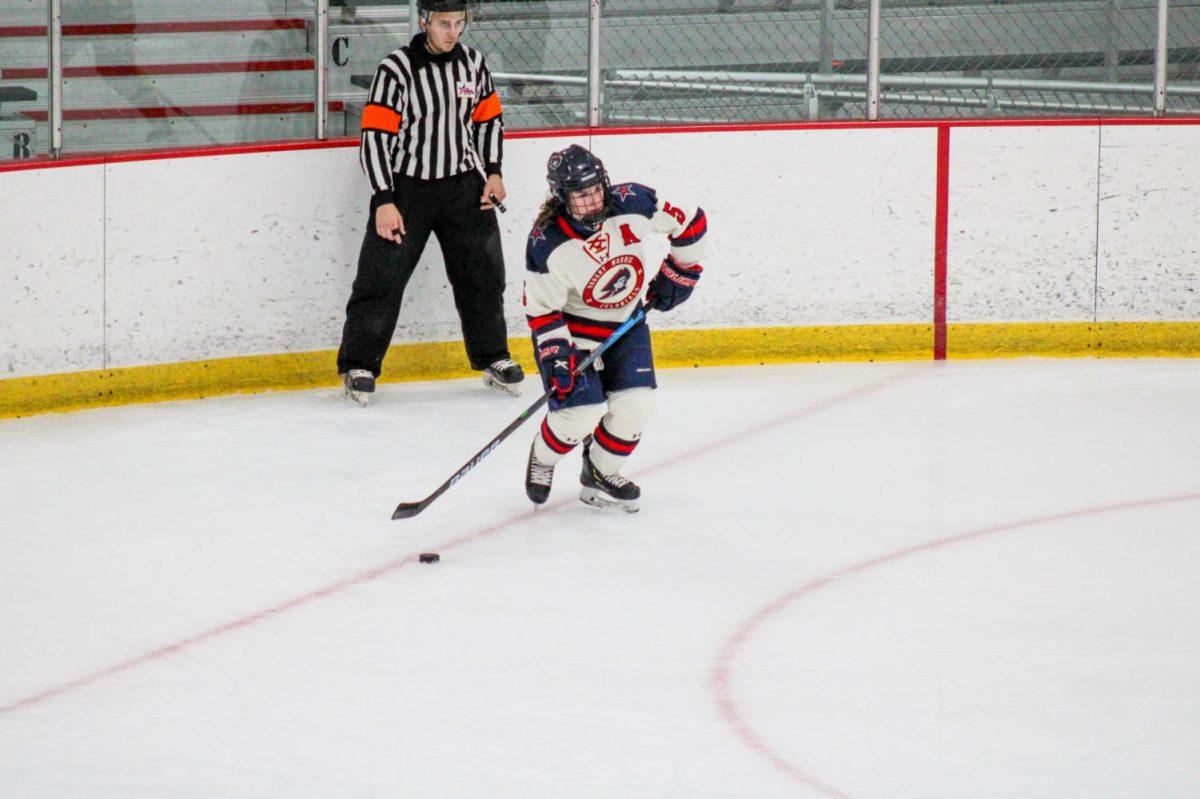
{"type": "Point", "coordinates": [380, 118]}
{"type": "Point", "coordinates": [487, 109]}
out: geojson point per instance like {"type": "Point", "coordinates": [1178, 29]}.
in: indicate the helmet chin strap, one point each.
{"type": "Point", "coordinates": [592, 221]}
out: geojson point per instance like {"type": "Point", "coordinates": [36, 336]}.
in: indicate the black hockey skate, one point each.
{"type": "Point", "coordinates": [358, 385]}
{"type": "Point", "coordinates": [537, 479]}
{"type": "Point", "coordinates": [504, 376]}
{"type": "Point", "coordinates": [611, 491]}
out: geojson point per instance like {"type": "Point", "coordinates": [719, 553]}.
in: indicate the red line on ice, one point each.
{"type": "Point", "coordinates": [392, 566]}
{"type": "Point", "coordinates": [723, 668]}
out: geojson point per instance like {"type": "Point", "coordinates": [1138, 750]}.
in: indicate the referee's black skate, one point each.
{"type": "Point", "coordinates": [505, 376]}
{"type": "Point", "coordinates": [358, 385]}
{"type": "Point", "coordinates": [606, 491]}
{"type": "Point", "coordinates": [538, 477]}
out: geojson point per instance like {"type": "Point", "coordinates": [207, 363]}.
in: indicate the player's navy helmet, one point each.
{"type": "Point", "coordinates": [573, 169]}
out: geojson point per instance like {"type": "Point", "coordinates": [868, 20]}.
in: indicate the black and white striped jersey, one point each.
{"type": "Point", "coordinates": [430, 116]}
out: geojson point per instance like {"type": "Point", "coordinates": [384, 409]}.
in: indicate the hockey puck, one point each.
{"type": "Point", "coordinates": [430, 557]}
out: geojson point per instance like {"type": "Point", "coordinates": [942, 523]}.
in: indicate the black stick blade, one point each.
{"type": "Point", "coordinates": [406, 510]}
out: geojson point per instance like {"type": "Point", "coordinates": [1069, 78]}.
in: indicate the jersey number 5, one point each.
{"type": "Point", "coordinates": [677, 213]}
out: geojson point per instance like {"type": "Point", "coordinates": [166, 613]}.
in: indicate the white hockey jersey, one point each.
{"type": "Point", "coordinates": [590, 282]}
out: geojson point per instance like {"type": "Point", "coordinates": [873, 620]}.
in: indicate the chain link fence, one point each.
{"type": "Point", "coordinates": [680, 61]}
{"type": "Point", "coordinates": [1183, 57]}
{"type": "Point", "coordinates": [537, 52]}
{"type": "Point", "coordinates": [717, 61]}
{"type": "Point", "coordinates": [1024, 58]}
{"type": "Point", "coordinates": [723, 60]}
{"type": "Point", "coordinates": [658, 62]}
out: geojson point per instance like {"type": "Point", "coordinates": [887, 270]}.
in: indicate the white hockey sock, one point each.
{"type": "Point", "coordinates": [609, 453]}
{"type": "Point", "coordinates": [562, 430]}
{"type": "Point", "coordinates": [618, 433]}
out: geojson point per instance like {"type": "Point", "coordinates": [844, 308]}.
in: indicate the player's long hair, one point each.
{"type": "Point", "coordinates": [551, 208]}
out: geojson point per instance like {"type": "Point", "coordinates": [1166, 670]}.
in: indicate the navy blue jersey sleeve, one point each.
{"type": "Point", "coordinates": [634, 198]}
{"type": "Point", "coordinates": [542, 241]}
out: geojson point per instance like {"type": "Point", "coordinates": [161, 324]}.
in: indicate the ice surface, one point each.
{"type": "Point", "coordinates": [889, 580]}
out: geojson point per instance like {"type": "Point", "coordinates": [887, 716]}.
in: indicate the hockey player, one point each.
{"type": "Point", "coordinates": [585, 275]}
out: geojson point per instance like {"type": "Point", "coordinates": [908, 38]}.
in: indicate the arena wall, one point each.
{"type": "Point", "coordinates": [182, 274]}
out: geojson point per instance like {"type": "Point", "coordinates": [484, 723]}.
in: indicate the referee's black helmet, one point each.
{"type": "Point", "coordinates": [438, 6]}
{"type": "Point", "coordinates": [426, 8]}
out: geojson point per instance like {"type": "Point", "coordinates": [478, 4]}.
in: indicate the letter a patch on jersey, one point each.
{"type": "Point", "coordinates": [627, 236]}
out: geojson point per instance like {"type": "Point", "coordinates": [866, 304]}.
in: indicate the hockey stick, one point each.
{"type": "Point", "coordinates": [407, 510]}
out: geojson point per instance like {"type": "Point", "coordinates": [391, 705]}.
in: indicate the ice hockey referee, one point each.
{"type": "Point", "coordinates": [432, 144]}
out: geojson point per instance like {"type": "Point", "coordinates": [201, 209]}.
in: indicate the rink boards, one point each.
{"type": "Point", "coordinates": [184, 274]}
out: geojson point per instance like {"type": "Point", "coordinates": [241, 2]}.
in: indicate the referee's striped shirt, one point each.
{"type": "Point", "coordinates": [430, 116]}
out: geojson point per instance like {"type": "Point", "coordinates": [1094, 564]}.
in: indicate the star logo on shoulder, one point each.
{"type": "Point", "coordinates": [623, 191]}
{"type": "Point", "coordinates": [538, 234]}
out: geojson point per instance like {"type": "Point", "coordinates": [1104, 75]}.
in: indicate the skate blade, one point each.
{"type": "Point", "coordinates": [357, 397]}
{"type": "Point", "coordinates": [511, 389]}
{"type": "Point", "coordinates": [598, 499]}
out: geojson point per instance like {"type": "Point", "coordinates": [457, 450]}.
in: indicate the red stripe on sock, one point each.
{"type": "Point", "coordinates": [615, 445]}
{"type": "Point", "coordinates": [553, 441]}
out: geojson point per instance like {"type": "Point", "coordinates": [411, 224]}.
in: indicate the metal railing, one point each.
{"type": "Point", "coordinates": [810, 84]}
{"type": "Point", "coordinates": [321, 68]}
{"type": "Point", "coordinates": [55, 71]}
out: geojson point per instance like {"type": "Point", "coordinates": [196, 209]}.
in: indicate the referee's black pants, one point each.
{"type": "Point", "coordinates": [470, 243]}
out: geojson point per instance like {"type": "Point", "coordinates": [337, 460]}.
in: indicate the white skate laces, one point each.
{"type": "Point", "coordinates": [540, 473]}
{"type": "Point", "coordinates": [615, 480]}
{"type": "Point", "coordinates": [505, 376]}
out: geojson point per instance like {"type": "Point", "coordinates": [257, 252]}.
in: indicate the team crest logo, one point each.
{"type": "Point", "coordinates": [464, 89]}
{"type": "Point", "coordinates": [597, 247]}
{"type": "Point", "coordinates": [615, 284]}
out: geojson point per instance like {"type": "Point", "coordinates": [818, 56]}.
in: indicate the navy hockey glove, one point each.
{"type": "Point", "coordinates": [672, 285]}
{"type": "Point", "coordinates": [558, 358]}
